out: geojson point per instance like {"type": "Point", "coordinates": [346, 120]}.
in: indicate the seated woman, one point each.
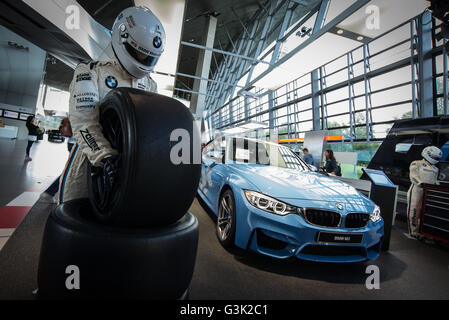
{"type": "Point", "coordinates": [331, 166]}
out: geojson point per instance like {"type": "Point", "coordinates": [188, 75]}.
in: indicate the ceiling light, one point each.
{"type": "Point", "coordinates": [340, 31]}
{"type": "Point", "coordinates": [360, 38]}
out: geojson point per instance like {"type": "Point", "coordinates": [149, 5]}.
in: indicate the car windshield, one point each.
{"type": "Point", "coordinates": [263, 153]}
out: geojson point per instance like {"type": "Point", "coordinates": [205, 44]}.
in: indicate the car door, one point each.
{"type": "Point", "coordinates": [205, 164]}
{"type": "Point", "coordinates": [217, 174]}
{"type": "Point", "coordinates": [210, 158]}
{"type": "Point", "coordinates": [213, 175]}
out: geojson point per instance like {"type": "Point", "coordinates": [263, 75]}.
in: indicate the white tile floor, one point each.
{"type": "Point", "coordinates": [3, 241]}
{"type": "Point", "coordinates": [6, 232]}
{"type": "Point", "coordinates": [18, 176]}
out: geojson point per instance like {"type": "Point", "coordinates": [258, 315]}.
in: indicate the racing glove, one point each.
{"type": "Point", "coordinates": [110, 171]}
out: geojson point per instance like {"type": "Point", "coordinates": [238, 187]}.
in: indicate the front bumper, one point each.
{"type": "Point", "coordinates": [291, 236]}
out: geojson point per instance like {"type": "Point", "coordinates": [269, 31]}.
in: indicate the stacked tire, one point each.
{"type": "Point", "coordinates": [139, 241]}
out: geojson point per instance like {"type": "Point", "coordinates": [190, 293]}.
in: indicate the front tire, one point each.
{"type": "Point", "coordinates": [226, 220]}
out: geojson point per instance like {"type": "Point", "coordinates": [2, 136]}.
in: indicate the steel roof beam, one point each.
{"type": "Point", "coordinates": [222, 52]}
{"type": "Point", "coordinates": [340, 18]}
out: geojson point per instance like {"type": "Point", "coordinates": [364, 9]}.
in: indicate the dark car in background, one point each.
{"type": "Point", "coordinates": [55, 136]}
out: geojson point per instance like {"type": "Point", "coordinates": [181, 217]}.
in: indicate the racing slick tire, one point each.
{"type": "Point", "coordinates": [151, 189]}
{"type": "Point", "coordinates": [83, 259]}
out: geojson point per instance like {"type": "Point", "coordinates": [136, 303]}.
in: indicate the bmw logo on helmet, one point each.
{"type": "Point", "coordinates": [111, 82]}
{"type": "Point", "coordinates": [157, 42]}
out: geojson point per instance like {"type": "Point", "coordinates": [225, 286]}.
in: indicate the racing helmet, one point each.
{"type": "Point", "coordinates": [138, 40]}
{"type": "Point", "coordinates": [432, 154]}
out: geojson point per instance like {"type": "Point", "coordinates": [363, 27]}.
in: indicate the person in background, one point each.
{"type": "Point", "coordinates": [331, 166]}
{"type": "Point", "coordinates": [66, 131]}
{"type": "Point", "coordinates": [33, 132]}
{"type": "Point", "coordinates": [307, 157]}
{"type": "Point", "coordinates": [423, 171]}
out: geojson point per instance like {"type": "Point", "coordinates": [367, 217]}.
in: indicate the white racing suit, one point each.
{"type": "Point", "coordinates": [421, 172]}
{"type": "Point", "coordinates": [91, 82]}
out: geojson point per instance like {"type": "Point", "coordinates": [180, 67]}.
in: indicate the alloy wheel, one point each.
{"type": "Point", "coordinates": [224, 221]}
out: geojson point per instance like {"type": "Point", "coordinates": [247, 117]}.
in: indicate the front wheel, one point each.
{"type": "Point", "coordinates": [226, 220]}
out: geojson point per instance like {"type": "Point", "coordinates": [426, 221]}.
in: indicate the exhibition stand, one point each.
{"type": "Point", "coordinates": [384, 193]}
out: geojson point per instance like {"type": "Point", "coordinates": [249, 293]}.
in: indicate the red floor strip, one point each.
{"type": "Point", "coordinates": [10, 217]}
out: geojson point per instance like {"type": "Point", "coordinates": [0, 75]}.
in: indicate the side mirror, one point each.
{"type": "Point", "coordinates": [223, 159]}
{"type": "Point", "coordinates": [313, 168]}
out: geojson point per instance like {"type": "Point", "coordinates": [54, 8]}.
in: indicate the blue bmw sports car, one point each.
{"type": "Point", "coordinates": [268, 200]}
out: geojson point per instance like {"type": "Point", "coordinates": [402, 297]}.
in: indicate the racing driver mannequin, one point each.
{"type": "Point", "coordinates": [138, 40]}
{"type": "Point", "coordinates": [421, 172]}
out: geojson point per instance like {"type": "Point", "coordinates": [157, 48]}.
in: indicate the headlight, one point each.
{"type": "Point", "coordinates": [268, 204]}
{"type": "Point", "coordinates": [375, 216]}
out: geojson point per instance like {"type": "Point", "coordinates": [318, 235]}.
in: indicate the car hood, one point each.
{"type": "Point", "coordinates": [284, 183]}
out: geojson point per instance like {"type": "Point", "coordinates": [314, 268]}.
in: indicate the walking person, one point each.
{"type": "Point", "coordinates": [33, 132]}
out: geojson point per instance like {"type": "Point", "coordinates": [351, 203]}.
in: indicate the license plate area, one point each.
{"type": "Point", "coordinates": [340, 238]}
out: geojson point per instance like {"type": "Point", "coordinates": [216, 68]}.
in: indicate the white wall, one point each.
{"type": "Point", "coordinates": [21, 73]}
{"type": "Point", "coordinates": [22, 70]}
{"type": "Point", "coordinates": [171, 14]}
{"type": "Point", "coordinates": [95, 39]}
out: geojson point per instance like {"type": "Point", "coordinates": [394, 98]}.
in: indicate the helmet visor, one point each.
{"type": "Point", "coordinates": [146, 60]}
{"type": "Point", "coordinates": [435, 156]}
